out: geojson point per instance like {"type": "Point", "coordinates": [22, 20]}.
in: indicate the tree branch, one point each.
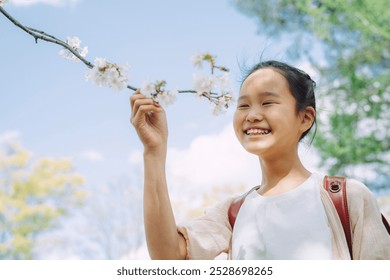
{"type": "Point", "coordinates": [41, 35]}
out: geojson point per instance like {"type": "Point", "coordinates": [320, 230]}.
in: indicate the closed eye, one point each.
{"type": "Point", "coordinates": [267, 103]}
{"type": "Point", "coordinates": [242, 106]}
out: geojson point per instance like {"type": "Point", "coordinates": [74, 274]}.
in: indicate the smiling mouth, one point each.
{"type": "Point", "coordinates": [257, 131]}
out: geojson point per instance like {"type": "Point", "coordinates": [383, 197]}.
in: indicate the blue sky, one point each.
{"type": "Point", "coordinates": [55, 112]}
{"type": "Point", "coordinates": [48, 106]}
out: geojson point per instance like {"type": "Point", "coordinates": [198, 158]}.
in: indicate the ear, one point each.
{"type": "Point", "coordinates": [307, 118]}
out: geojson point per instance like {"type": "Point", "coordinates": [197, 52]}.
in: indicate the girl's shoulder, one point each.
{"type": "Point", "coordinates": [354, 187]}
{"type": "Point", "coordinates": [360, 197]}
{"type": "Point", "coordinates": [357, 190]}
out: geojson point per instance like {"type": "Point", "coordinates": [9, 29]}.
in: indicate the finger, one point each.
{"type": "Point", "coordinates": [142, 112]}
{"type": "Point", "coordinates": [136, 95]}
{"type": "Point", "coordinates": [145, 112]}
{"type": "Point", "coordinates": [140, 102]}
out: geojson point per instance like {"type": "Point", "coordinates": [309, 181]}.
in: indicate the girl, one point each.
{"type": "Point", "coordinates": [290, 215]}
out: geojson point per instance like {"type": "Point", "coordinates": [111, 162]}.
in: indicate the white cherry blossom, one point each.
{"type": "Point", "coordinates": [100, 62]}
{"type": "Point", "coordinates": [218, 109]}
{"type": "Point", "coordinates": [197, 60]}
{"type": "Point", "coordinates": [148, 88]}
{"type": "Point", "coordinates": [167, 98]}
{"type": "Point", "coordinates": [74, 43]}
{"type": "Point", "coordinates": [222, 103]}
{"type": "Point", "coordinates": [224, 80]}
{"type": "Point", "coordinates": [109, 74]}
{"type": "Point", "coordinates": [203, 84]}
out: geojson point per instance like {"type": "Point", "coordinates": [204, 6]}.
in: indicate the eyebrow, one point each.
{"type": "Point", "coordinates": [261, 94]}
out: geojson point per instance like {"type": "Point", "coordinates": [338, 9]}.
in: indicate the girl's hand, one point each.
{"type": "Point", "coordinates": [149, 120]}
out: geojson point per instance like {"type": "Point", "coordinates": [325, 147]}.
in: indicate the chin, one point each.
{"type": "Point", "coordinates": [256, 150]}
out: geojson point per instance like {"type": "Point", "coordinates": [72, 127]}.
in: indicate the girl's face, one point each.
{"type": "Point", "coordinates": [266, 121]}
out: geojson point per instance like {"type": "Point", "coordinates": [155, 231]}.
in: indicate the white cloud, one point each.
{"type": "Point", "coordinates": [217, 160]}
{"type": "Point", "coordinates": [214, 161]}
{"type": "Point", "coordinates": [210, 161]}
{"type": "Point", "coordinates": [220, 160]}
{"type": "Point", "coordinates": [57, 3]}
{"type": "Point", "coordinates": [91, 155]}
{"type": "Point", "coordinates": [135, 157]}
{"type": "Point", "coordinates": [9, 136]}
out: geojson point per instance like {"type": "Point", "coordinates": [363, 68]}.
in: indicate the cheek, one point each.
{"type": "Point", "coordinates": [237, 123]}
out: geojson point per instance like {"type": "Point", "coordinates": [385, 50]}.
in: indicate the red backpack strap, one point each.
{"type": "Point", "coordinates": [386, 223]}
{"type": "Point", "coordinates": [336, 188]}
{"type": "Point", "coordinates": [236, 205]}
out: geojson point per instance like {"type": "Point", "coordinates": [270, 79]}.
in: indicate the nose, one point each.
{"type": "Point", "coordinates": [254, 115]}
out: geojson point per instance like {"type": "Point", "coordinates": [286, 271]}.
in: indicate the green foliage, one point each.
{"type": "Point", "coordinates": [354, 90]}
{"type": "Point", "coordinates": [33, 196]}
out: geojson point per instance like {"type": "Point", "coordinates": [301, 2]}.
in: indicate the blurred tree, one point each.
{"type": "Point", "coordinates": [34, 194]}
{"type": "Point", "coordinates": [207, 200]}
{"type": "Point", "coordinates": [354, 90]}
{"type": "Point", "coordinates": [114, 221]}
{"type": "Point", "coordinates": [384, 204]}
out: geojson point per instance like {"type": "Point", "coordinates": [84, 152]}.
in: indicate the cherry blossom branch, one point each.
{"type": "Point", "coordinates": [40, 35]}
{"type": "Point", "coordinates": [105, 73]}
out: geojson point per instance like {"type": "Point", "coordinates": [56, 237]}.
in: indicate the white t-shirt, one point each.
{"type": "Point", "coordinates": [289, 226]}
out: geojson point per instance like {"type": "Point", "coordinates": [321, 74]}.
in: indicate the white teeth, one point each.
{"type": "Point", "coordinates": [257, 131]}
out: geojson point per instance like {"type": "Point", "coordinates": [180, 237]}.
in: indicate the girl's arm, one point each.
{"type": "Point", "coordinates": [163, 240]}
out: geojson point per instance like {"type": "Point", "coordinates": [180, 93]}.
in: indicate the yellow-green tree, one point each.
{"type": "Point", "coordinates": [34, 194]}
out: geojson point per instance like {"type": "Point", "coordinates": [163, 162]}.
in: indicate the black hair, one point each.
{"type": "Point", "coordinates": [300, 84]}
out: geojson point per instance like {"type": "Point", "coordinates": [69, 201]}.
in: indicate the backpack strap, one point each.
{"type": "Point", "coordinates": [236, 205]}
{"type": "Point", "coordinates": [336, 188]}
{"type": "Point", "coordinates": [386, 223]}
